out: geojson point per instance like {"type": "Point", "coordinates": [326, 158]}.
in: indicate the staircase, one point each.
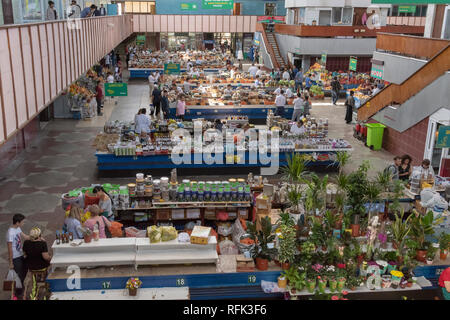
{"type": "Point", "coordinates": [399, 94]}
{"type": "Point", "coordinates": [274, 51]}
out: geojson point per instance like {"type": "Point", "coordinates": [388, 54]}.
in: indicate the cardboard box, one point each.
{"type": "Point", "coordinates": [193, 213]}
{"type": "Point", "coordinates": [244, 264]}
{"type": "Point", "coordinates": [243, 213]}
{"type": "Point", "coordinates": [163, 214]}
{"type": "Point", "coordinates": [200, 235]}
{"type": "Point", "coordinates": [263, 202]}
{"type": "Point", "coordinates": [178, 214]}
{"type": "Point", "coordinates": [210, 213]}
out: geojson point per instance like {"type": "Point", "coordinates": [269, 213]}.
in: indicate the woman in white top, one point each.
{"type": "Point", "coordinates": [297, 128]}
{"type": "Point", "coordinates": [280, 102]}
{"type": "Point", "coordinates": [142, 123]}
{"type": "Point", "coordinates": [298, 107]}
{"type": "Point", "coordinates": [286, 75]}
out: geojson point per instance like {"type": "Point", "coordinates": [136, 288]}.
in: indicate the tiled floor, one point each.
{"type": "Point", "coordinates": [61, 158]}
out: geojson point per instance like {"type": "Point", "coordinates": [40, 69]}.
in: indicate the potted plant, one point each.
{"type": "Point", "coordinates": [422, 225]}
{"type": "Point", "coordinates": [261, 251]}
{"type": "Point", "coordinates": [400, 229]}
{"type": "Point", "coordinates": [295, 279]}
{"type": "Point", "coordinates": [87, 234]}
{"type": "Point", "coordinates": [315, 193]}
{"type": "Point", "coordinates": [287, 245]}
{"type": "Point", "coordinates": [333, 284]}
{"type": "Point", "coordinates": [282, 282]}
{"type": "Point", "coordinates": [431, 254]}
{"type": "Point", "coordinates": [322, 283]}
{"type": "Point", "coordinates": [444, 245]}
{"type": "Point", "coordinates": [132, 285]}
{"type": "Point", "coordinates": [311, 284]}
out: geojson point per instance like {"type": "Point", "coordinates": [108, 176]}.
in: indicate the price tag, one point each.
{"type": "Point", "coordinates": [252, 279]}
{"type": "Point", "coordinates": [106, 285]}
{"type": "Point", "coordinates": [180, 282]}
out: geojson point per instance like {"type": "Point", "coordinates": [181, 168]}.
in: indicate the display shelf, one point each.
{"type": "Point", "coordinates": [363, 289]}
{"type": "Point", "coordinates": [181, 293]}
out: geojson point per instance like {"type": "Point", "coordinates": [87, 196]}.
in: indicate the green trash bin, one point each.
{"type": "Point", "coordinates": [375, 135]}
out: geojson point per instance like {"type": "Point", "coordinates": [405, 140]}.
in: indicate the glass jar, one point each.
{"type": "Point", "coordinates": [220, 194]}
{"type": "Point", "coordinates": [214, 194]}
{"type": "Point", "coordinates": [194, 194]}
{"type": "Point", "coordinates": [180, 194]}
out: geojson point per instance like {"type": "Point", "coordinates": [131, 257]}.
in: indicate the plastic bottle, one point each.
{"type": "Point", "coordinates": [58, 239]}
{"type": "Point", "coordinates": [96, 233]}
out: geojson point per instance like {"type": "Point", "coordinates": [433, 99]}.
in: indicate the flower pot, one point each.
{"type": "Point", "coordinates": [132, 292]}
{"type": "Point", "coordinates": [421, 255]}
{"type": "Point", "coordinates": [322, 285]}
{"type": "Point", "coordinates": [333, 285]}
{"type": "Point", "coordinates": [277, 263]}
{"type": "Point", "coordinates": [262, 264]}
{"type": "Point", "coordinates": [409, 285]}
{"type": "Point", "coordinates": [443, 254]}
{"type": "Point", "coordinates": [340, 285]}
{"type": "Point", "coordinates": [353, 288]}
{"type": "Point", "coordinates": [429, 261]}
{"type": "Point", "coordinates": [355, 230]}
{"type": "Point", "coordinates": [87, 239]}
{"type": "Point", "coordinates": [285, 265]}
{"type": "Point", "coordinates": [282, 282]}
{"type": "Point", "coordinates": [310, 286]}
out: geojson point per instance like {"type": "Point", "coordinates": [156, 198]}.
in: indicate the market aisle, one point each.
{"type": "Point", "coordinates": [127, 107]}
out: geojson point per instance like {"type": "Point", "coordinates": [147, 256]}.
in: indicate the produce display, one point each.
{"type": "Point", "coordinates": [80, 91]}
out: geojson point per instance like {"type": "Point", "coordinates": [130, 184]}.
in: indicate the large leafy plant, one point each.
{"type": "Point", "coordinates": [287, 243]}
{"type": "Point", "coordinates": [315, 193]}
{"type": "Point", "coordinates": [400, 229]}
{"type": "Point", "coordinates": [357, 190]}
{"type": "Point", "coordinates": [295, 170]}
{"type": "Point", "coordinates": [422, 225]}
{"type": "Point", "coordinates": [295, 278]}
{"type": "Point", "coordinates": [262, 239]}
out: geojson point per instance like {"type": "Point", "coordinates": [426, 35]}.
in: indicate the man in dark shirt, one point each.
{"type": "Point", "coordinates": [156, 100]}
{"type": "Point", "coordinates": [165, 105]}
{"type": "Point", "coordinates": [335, 89]}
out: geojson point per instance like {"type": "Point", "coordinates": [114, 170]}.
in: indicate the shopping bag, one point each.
{"type": "Point", "coordinates": [12, 280]}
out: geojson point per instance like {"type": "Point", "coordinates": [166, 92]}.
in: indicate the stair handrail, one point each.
{"type": "Point", "coordinates": [269, 47]}
{"type": "Point", "coordinates": [400, 93]}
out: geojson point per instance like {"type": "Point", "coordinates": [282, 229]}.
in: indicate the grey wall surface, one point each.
{"type": "Point", "coordinates": [397, 68]}
{"type": "Point", "coordinates": [332, 46]}
{"type": "Point", "coordinates": [263, 51]}
{"type": "Point", "coordinates": [420, 106]}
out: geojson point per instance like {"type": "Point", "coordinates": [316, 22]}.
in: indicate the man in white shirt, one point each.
{"type": "Point", "coordinates": [297, 128]}
{"type": "Point", "coordinates": [253, 70]}
{"type": "Point", "coordinates": [298, 108]}
{"type": "Point", "coordinates": [280, 102]}
{"type": "Point", "coordinates": [228, 90]}
{"type": "Point", "coordinates": [289, 93]}
{"type": "Point", "coordinates": [14, 240]}
{"type": "Point", "coordinates": [189, 65]}
{"type": "Point", "coordinates": [74, 11]}
{"type": "Point", "coordinates": [257, 82]}
{"type": "Point", "coordinates": [156, 75]}
{"type": "Point", "coordinates": [426, 170]}
{"type": "Point", "coordinates": [259, 72]}
{"type": "Point", "coordinates": [110, 78]}
{"type": "Point", "coordinates": [286, 75]}
{"type": "Point", "coordinates": [277, 90]}
{"type": "Point", "coordinates": [151, 83]}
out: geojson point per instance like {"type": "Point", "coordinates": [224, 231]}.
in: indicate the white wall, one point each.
{"type": "Point", "coordinates": [332, 3]}
{"type": "Point", "coordinates": [333, 46]}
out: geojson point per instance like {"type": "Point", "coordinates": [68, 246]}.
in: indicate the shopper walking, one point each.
{"type": "Point", "coordinates": [404, 170]}
{"type": "Point", "coordinates": [151, 84]}
{"type": "Point", "coordinates": [181, 107]}
{"type": "Point", "coordinates": [306, 106]}
{"type": "Point", "coordinates": [99, 98]}
{"type": "Point", "coordinates": [14, 238]}
{"type": "Point", "coordinates": [280, 102]}
{"type": "Point", "coordinates": [36, 253]}
{"type": "Point", "coordinates": [72, 224]}
{"type": "Point", "coordinates": [105, 202]}
{"type": "Point", "coordinates": [51, 12]}
{"type": "Point", "coordinates": [335, 89]}
{"type": "Point", "coordinates": [308, 82]}
{"type": "Point", "coordinates": [156, 101]}
{"type": "Point", "coordinates": [165, 104]}
{"type": "Point", "coordinates": [298, 81]}
{"type": "Point", "coordinates": [350, 104]}
{"type": "Point", "coordinates": [286, 75]}
{"type": "Point", "coordinates": [74, 10]}
{"type": "Point", "coordinates": [97, 219]}
{"type": "Point", "coordinates": [102, 10]}
{"type": "Point", "coordinates": [298, 108]}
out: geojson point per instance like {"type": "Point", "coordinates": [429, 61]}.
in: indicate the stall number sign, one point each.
{"type": "Point", "coordinates": [218, 4]}
{"type": "Point", "coordinates": [116, 89]}
{"type": "Point", "coordinates": [377, 72]}
{"type": "Point", "coordinates": [171, 68]}
{"type": "Point", "coordinates": [353, 62]}
{"type": "Point", "coordinates": [106, 285]}
{"type": "Point", "coordinates": [140, 39]}
{"type": "Point", "coordinates": [189, 6]}
{"type": "Point", "coordinates": [252, 279]}
{"type": "Point", "coordinates": [443, 139]}
{"type": "Point", "coordinates": [181, 282]}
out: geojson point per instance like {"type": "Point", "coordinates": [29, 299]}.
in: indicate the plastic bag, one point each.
{"type": "Point", "coordinates": [225, 229]}
{"type": "Point", "coordinates": [168, 233]}
{"type": "Point", "coordinates": [10, 277]}
{"type": "Point", "coordinates": [116, 229]}
{"type": "Point", "coordinates": [227, 247]}
{"type": "Point", "coordinates": [184, 237]}
{"type": "Point", "coordinates": [238, 231]}
{"type": "Point", "coordinates": [427, 197]}
{"type": "Point", "coordinates": [270, 287]}
{"type": "Point", "coordinates": [154, 233]}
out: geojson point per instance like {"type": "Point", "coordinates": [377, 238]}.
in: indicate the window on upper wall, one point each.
{"type": "Point", "coordinates": [301, 15]}
{"type": "Point", "coordinates": [342, 16]}
{"type": "Point", "coordinates": [140, 7]}
{"type": "Point", "coordinates": [270, 9]}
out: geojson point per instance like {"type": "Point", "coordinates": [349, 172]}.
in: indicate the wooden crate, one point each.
{"type": "Point", "coordinates": [163, 214]}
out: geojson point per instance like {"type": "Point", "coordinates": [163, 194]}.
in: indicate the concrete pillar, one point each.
{"type": "Point", "coordinates": [429, 22]}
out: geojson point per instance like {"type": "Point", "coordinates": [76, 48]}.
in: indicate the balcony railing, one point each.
{"type": "Point", "coordinates": [38, 61]}
{"type": "Point", "coordinates": [406, 21]}
{"type": "Point", "coordinates": [412, 46]}
{"type": "Point", "coordinates": [341, 31]}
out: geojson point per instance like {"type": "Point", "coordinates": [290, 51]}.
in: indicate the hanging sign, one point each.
{"type": "Point", "coordinates": [188, 6]}
{"type": "Point", "coordinates": [140, 39]}
{"type": "Point", "coordinates": [171, 68]}
{"type": "Point", "coordinates": [218, 4]}
{"type": "Point", "coordinates": [116, 89]}
{"type": "Point", "coordinates": [377, 72]}
{"type": "Point", "coordinates": [271, 19]}
{"type": "Point", "coordinates": [407, 9]}
{"type": "Point", "coordinates": [443, 139]}
{"type": "Point", "coordinates": [353, 62]}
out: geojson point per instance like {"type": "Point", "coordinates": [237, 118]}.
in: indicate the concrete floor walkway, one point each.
{"type": "Point", "coordinates": [62, 158]}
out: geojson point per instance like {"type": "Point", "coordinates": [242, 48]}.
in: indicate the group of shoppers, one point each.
{"type": "Point", "coordinates": [401, 169]}
{"type": "Point", "coordinates": [75, 11]}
